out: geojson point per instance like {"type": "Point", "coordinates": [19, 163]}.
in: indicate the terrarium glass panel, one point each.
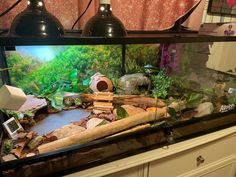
{"type": "Point", "coordinates": [78, 94]}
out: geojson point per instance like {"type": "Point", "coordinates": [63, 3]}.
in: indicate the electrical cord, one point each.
{"type": "Point", "coordinates": [2, 31]}
{"type": "Point", "coordinates": [10, 8]}
{"type": "Point", "coordinates": [82, 14]}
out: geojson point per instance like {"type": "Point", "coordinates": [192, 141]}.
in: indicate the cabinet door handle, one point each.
{"type": "Point", "coordinates": [200, 160]}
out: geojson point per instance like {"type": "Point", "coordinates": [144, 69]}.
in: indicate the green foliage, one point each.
{"type": "Point", "coordinates": [29, 114]}
{"type": "Point", "coordinates": [185, 61]}
{"type": "Point", "coordinates": [161, 84]}
{"type": "Point", "coordinates": [68, 102]}
{"type": "Point", "coordinates": [14, 114]}
{"type": "Point", "coordinates": [137, 56]}
{"type": "Point", "coordinates": [232, 100]}
{"type": "Point", "coordinates": [57, 100]}
{"type": "Point", "coordinates": [180, 82]}
{"type": "Point", "coordinates": [172, 113]}
{"type": "Point", "coordinates": [7, 147]}
{"type": "Point", "coordinates": [193, 99]}
{"type": "Point", "coordinates": [179, 85]}
{"type": "Point", "coordinates": [121, 113]}
{"type": "Point", "coordinates": [210, 93]}
{"type": "Point", "coordinates": [78, 101]}
{"type": "Point", "coordinates": [20, 66]}
{"type": "Point", "coordinates": [133, 67]}
{"type": "Point", "coordinates": [158, 124]}
{"type": "Point", "coordinates": [104, 122]}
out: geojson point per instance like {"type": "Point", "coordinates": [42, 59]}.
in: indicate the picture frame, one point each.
{"type": "Point", "coordinates": [221, 7]}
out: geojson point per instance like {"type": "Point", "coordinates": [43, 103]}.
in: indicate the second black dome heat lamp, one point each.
{"type": "Point", "coordinates": [104, 23]}
{"type": "Point", "coordinates": [36, 21]}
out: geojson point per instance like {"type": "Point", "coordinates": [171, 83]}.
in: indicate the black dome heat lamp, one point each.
{"type": "Point", "coordinates": [104, 23]}
{"type": "Point", "coordinates": [35, 20]}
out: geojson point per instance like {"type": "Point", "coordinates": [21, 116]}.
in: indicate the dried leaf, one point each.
{"type": "Point", "coordinates": [21, 135]}
{"type": "Point", "coordinates": [21, 144]}
{"type": "Point", "coordinates": [104, 122]}
{"type": "Point", "coordinates": [189, 114]}
{"type": "Point", "coordinates": [121, 113]}
{"type": "Point", "coordinates": [49, 138]}
{"type": "Point", "coordinates": [82, 122]}
{"type": "Point", "coordinates": [17, 152]}
{"type": "Point", "coordinates": [108, 117]}
{"type": "Point", "coordinates": [30, 135]}
{"type": "Point", "coordinates": [172, 113]}
{"type": "Point", "coordinates": [35, 142]}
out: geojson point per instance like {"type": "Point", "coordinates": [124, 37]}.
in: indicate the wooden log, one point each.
{"type": "Point", "coordinates": [135, 100]}
{"type": "Point", "coordinates": [104, 130]}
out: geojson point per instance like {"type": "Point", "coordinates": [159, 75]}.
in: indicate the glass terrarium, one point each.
{"type": "Point", "coordinates": [84, 99]}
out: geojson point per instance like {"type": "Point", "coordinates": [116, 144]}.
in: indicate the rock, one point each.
{"type": "Point", "coordinates": [132, 110]}
{"type": "Point", "coordinates": [204, 109]}
{"type": "Point", "coordinates": [131, 83]}
{"type": "Point", "coordinates": [92, 123]}
{"type": "Point", "coordinates": [33, 103]}
{"type": "Point", "coordinates": [35, 142]}
{"type": "Point", "coordinates": [67, 131]}
{"type": "Point", "coordinates": [8, 157]}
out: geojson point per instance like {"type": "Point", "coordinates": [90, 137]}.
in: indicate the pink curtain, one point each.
{"type": "Point", "coordinates": [148, 14]}
{"type": "Point", "coordinates": [135, 14]}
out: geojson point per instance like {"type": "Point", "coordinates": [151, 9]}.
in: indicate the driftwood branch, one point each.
{"type": "Point", "coordinates": [135, 100]}
{"type": "Point", "coordinates": [104, 130]}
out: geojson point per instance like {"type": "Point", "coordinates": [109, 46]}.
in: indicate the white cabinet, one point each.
{"type": "Point", "coordinates": [140, 171]}
{"type": "Point", "coordinates": [211, 155]}
{"type": "Point", "coordinates": [210, 159]}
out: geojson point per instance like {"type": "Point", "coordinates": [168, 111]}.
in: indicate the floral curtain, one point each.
{"type": "Point", "coordinates": [135, 14]}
